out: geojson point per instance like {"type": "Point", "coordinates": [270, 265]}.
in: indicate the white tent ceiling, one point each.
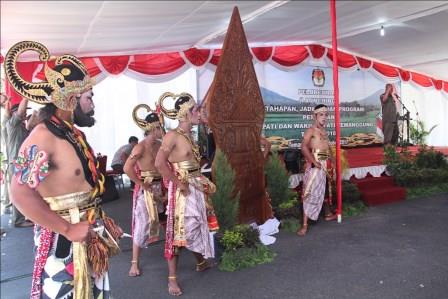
{"type": "Point", "coordinates": [416, 37]}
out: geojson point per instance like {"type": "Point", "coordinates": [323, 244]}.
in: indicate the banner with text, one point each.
{"type": "Point", "coordinates": [290, 96]}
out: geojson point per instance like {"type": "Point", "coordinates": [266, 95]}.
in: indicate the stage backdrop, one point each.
{"type": "Point", "coordinates": [290, 96]}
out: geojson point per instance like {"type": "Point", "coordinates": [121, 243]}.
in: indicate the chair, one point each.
{"type": "Point", "coordinates": [117, 176]}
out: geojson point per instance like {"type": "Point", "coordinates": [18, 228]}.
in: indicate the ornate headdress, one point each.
{"type": "Point", "coordinates": [68, 78]}
{"type": "Point", "coordinates": [321, 109]}
{"type": "Point", "coordinates": [151, 121]}
{"type": "Point", "coordinates": [183, 103]}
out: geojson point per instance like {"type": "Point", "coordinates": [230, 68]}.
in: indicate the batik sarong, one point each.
{"type": "Point", "coordinates": [61, 267]}
{"type": "Point", "coordinates": [187, 215]}
{"type": "Point", "coordinates": [314, 185]}
{"type": "Point", "coordinates": [146, 207]}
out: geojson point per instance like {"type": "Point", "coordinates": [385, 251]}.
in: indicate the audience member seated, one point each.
{"type": "Point", "coordinates": [122, 154]}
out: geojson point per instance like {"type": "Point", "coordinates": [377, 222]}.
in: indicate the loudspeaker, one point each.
{"type": "Point", "coordinates": [110, 191]}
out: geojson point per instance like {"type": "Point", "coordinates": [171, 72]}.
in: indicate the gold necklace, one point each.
{"type": "Point", "coordinates": [322, 133]}
{"type": "Point", "coordinates": [194, 146]}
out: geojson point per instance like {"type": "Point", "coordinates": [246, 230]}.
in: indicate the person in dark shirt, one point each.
{"type": "Point", "coordinates": [389, 111]}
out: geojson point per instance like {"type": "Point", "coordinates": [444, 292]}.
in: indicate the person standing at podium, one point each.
{"type": "Point", "coordinates": [390, 116]}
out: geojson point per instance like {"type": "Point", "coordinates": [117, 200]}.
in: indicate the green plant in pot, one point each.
{"type": "Point", "coordinates": [251, 236]}
{"type": "Point", "coordinates": [278, 184]}
{"type": "Point", "coordinates": [236, 246]}
{"type": "Point", "coordinates": [418, 132]}
{"type": "Point", "coordinates": [225, 200]}
{"type": "Point", "coordinates": [243, 249]}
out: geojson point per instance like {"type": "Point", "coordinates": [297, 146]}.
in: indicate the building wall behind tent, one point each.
{"type": "Point", "coordinates": [431, 107]}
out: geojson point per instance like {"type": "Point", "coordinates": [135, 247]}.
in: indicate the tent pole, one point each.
{"type": "Point", "coordinates": [336, 109]}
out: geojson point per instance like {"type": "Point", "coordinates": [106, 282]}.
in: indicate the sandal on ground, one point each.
{"type": "Point", "coordinates": [202, 266]}
{"type": "Point", "coordinates": [330, 217]}
{"type": "Point", "coordinates": [303, 230]}
{"type": "Point", "coordinates": [134, 273]}
{"type": "Point", "coordinates": [173, 291]}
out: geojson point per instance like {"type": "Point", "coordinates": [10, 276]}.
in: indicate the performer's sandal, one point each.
{"type": "Point", "coordinates": [202, 266]}
{"type": "Point", "coordinates": [330, 217]}
{"type": "Point", "coordinates": [302, 231]}
{"type": "Point", "coordinates": [173, 291]}
{"type": "Point", "coordinates": [134, 273]}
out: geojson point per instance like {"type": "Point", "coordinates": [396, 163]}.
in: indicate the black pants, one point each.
{"type": "Point", "coordinates": [390, 132]}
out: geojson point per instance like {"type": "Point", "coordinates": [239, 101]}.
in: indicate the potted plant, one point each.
{"type": "Point", "coordinates": [225, 201]}
{"type": "Point", "coordinates": [282, 197]}
{"type": "Point", "coordinates": [236, 246]}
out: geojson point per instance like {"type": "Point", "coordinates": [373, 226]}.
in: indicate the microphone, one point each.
{"type": "Point", "coordinates": [397, 95]}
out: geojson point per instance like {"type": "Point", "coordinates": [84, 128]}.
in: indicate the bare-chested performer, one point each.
{"type": "Point", "coordinates": [317, 152]}
{"type": "Point", "coordinates": [57, 185]}
{"type": "Point", "coordinates": [178, 162]}
{"type": "Point", "coordinates": [148, 195]}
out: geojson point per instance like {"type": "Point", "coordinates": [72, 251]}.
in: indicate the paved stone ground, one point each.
{"type": "Point", "coordinates": [393, 251]}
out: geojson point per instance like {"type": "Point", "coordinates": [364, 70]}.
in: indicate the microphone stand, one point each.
{"type": "Point", "coordinates": [407, 117]}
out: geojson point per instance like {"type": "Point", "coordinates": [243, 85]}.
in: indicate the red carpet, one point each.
{"type": "Point", "coordinates": [362, 157]}
{"type": "Point", "coordinates": [381, 190]}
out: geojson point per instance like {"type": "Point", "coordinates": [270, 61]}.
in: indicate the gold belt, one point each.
{"type": "Point", "coordinates": [188, 173]}
{"type": "Point", "coordinates": [193, 172]}
{"type": "Point", "coordinates": [144, 179]}
{"type": "Point", "coordinates": [96, 202]}
{"type": "Point", "coordinates": [150, 176]}
{"type": "Point", "coordinates": [63, 204]}
{"type": "Point", "coordinates": [190, 168]}
{"type": "Point", "coordinates": [152, 173]}
{"type": "Point", "coordinates": [321, 154]}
